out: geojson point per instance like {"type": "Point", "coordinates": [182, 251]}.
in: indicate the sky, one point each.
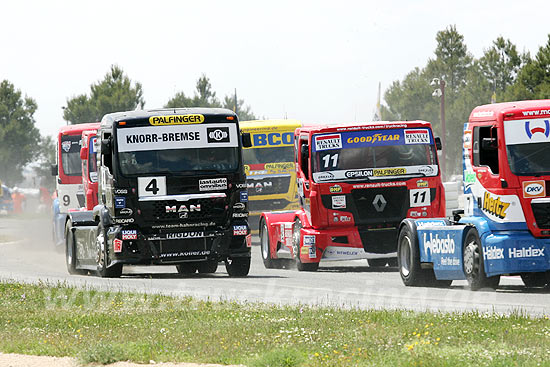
{"type": "Point", "coordinates": [316, 61]}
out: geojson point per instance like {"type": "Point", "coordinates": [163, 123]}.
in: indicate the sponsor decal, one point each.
{"type": "Point", "coordinates": [417, 136]}
{"type": "Point", "coordinates": [469, 177]}
{"type": "Point", "coordinates": [240, 230]}
{"type": "Point", "coordinates": [427, 170]}
{"type": "Point", "coordinates": [335, 219]}
{"type": "Point", "coordinates": [359, 173]}
{"type": "Point", "coordinates": [335, 189]}
{"type": "Point", "coordinates": [421, 183]}
{"type": "Point", "coordinates": [339, 202]}
{"type": "Point", "coordinates": [494, 206]}
{"type": "Point", "coordinates": [493, 253]}
{"type": "Point", "coordinates": [309, 240]}
{"type": "Point", "coordinates": [372, 138]}
{"type": "Point", "coordinates": [241, 186]}
{"type": "Point", "coordinates": [213, 184]}
{"type": "Point", "coordinates": [123, 220]}
{"type": "Point", "coordinates": [126, 211]}
{"type": "Point", "coordinates": [185, 254]}
{"type": "Point", "coordinates": [184, 235]}
{"type": "Point", "coordinates": [438, 245]}
{"type": "Point", "coordinates": [345, 218]}
{"type": "Point", "coordinates": [244, 196]}
{"type": "Point", "coordinates": [273, 139]}
{"type": "Point", "coordinates": [483, 114]}
{"type": "Point", "coordinates": [217, 134]}
{"type": "Point", "coordinates": [129, 234]}
{"type": "Point", "coordinates": [534, 189]}
{"type": "Point", "coordinates": [390, 171]}
{"type": "Point", "coordinates": [239, 206]}
{"type": "Point", "coordinates": [324, 176]}
{"type": "Point", "coordinates": [537, 126]}
{"type": "Point", "coordinates": [117, 245]}
{"type": "Point", "coordinates": [279, 166]}
{"type": "Point", "coordinates": [430, 223]}
{"type": "Point", "coordinates": [183, 208]}
{"type": "Point", "coordinates": [379, 184]}
{"type": "Point", "coordinates": [525, 252]}
{"type": "Point", "coordinates": [240, 215]}
{"type": "Point", "coordinates": [304, 250]}
{"type": "Point", "coordinates": [326, 142]}
{"type": "Point", "coordinates": [248, 240]}
{"type": "Point", "coordinates": [467, 139]}
{"type": "Point", "coordinates": [379, 203]}
{"type": "Point", "coordinates": [259, 186]}
{"type": "Point", "coordinates": [176, 120]}
{"type": "Point", "coordinates": [312, 252]}
{"type": "Point", "coordinates": [66, 145]}
{"type": "Point", "coordinates": [120, 202]}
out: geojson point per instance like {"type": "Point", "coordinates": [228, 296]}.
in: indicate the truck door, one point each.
{"type": "Point", "coordinates": [485, 156]}
{"type": "Point", "coordinates": [303, 172]}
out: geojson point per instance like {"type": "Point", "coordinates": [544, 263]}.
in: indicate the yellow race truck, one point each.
{"type": "Point", "coordinates": [269, 167]}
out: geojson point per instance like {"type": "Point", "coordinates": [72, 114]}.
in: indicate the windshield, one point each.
{"type": "Point", "coordinates": [528, 146]}
{"type": "Point", "coordinates": [268, 155]}
{"type": "Point", "coordinates": [178, 149]}
{"type": "Point", "coordinates": [374, 154]}
{"type": "Point", "coordinates": [70, 155]}
{"type": "Point", "coordinates": [92, 160]}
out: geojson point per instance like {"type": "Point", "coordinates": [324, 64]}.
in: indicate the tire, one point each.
{"type": "Point", "coordinates": [238, 267]}
{"type": "Point", "coordinates": [269, 262]}
{"type": "Point", "coordinates": [207, 267]}
{"type": "Point", "coordinates": [296, 239]}
{"type": "Point", "coordinates": [188, 268]}
{"type": "Point", "coordinates": [114, 271]}
{"type": "Point", "coordinates": [474, 267]}
{"type": "Point", "coordinates": [534, 280]}
{"type": "Point", "coordinates": [70, 252]}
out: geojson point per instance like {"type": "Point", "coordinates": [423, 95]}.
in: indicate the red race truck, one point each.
{"type": "Point", "coordinates": [356, 183]}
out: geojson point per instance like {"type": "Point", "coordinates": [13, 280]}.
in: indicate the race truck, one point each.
{"type": "Point", "coordinates": [171, 191]}
{"type": "Point", "coordinates": [356, 183]}
{"type": "Point", "coordinates": [269, 167]}
{"type": "Point", "coordinates": [505, 225]}
{"type": "Point", "coordinates": [68, 172]}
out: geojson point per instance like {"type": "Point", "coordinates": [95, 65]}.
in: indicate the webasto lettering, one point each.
{"type": "Point", "coordinates": [438, 245]}
{"type": "Point", "coordinates": [176, 120]}
{"type": "Point", "coordinates": [494, 206]}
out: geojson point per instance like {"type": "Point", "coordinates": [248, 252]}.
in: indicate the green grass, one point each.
{"type": "Point", "coordinates": [93, 326]}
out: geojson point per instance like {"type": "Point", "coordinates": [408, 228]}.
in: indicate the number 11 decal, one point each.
{"type": "Point", "coordinates": [420, 197]}
{"type": "Point", "coordinates": [151, 186]}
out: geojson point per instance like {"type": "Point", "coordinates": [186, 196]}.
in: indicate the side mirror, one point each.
{"type": "Point", "coordinates": [53, 169]}
{"type": "Point", "coordinates": [105, 145]}
{"type": "Point", "coordinates": [438, 145]}
{"type": "Point", "coordinates": [84, 153]}
{"type": "Point", "coordinates": [247, 140]}
{"type": "Point", "coordinates": [304, 152]}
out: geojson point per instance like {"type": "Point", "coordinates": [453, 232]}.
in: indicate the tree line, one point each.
{"type": "Point", "coordinates": [21, 142]}
{"type": "Point", "coordinates": [501, 74]}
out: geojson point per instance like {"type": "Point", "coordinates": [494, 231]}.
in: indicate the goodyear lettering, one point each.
{"type": "Point", "coordinates": [372, 139]}
{"type": "Point", "coordinates": [438, 245]}
{"type": "Point", "coordinates": [495, 207]}
{"type": "Point", "coordinates": [176, 120]}
{"type": "Point", "coordinates": [273, 139]}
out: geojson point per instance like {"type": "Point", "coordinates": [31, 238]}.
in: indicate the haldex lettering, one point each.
{"type": "Point", "coordinates": [493, 253]}
{"type": "Point", "coordinates": [495, 207]}
{"type": "Point", "coordinates": [525, 252]}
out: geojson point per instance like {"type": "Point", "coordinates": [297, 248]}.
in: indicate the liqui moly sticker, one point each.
{"type": "Point", "coordinates": [417, 136]}
{"type": "Point", "coordinates": [534, 189]}
{"type": "Point", "coordinates": [240, 231]}
{"type": "Point", "coordinates": [129, 234]}
{"type": "Point", "coordinates": [117, 245]}
{"type": "Point", "coordinates": [329, 141]}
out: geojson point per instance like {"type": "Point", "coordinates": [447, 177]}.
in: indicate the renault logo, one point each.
{"type": "Point", "coordinates": [379, 203]}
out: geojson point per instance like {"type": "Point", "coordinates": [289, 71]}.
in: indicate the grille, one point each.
{"type": "Point", "coordinates": [541, 211]}
{"type": "Point", "coordinates": [210, 210]}
{"type": "Point", "coordinates": [268, 185]}
{"type": "Point", "coordinates": [267, 205]}
{"type": "Point", "coordinates": [379, 241]}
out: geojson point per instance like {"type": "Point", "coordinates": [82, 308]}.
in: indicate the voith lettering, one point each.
{"type": "Point", "coordinates": [493, 206]}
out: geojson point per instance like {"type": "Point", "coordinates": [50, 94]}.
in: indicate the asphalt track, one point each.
{"type": "Point", "coordinates": [29, 256]}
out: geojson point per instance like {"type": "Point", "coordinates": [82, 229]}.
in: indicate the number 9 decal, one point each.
{"type": "Point", "coordinates": [66, 200]}
{"type": "Point", "coordinates": [151, 186]}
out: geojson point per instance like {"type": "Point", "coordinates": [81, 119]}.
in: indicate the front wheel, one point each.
{"type": "Point", "coordinates": [269, 262]}
{"type": "Point", "coordinates": [296, 239]}
{"type": "Point", "coordinates": [113, 271]}
{"type": "Point", "coordinates": [238, 266]}
{"type": "Point", "coordinates": [474, 267]}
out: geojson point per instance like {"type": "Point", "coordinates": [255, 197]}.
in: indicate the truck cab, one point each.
{"type": "Point", "coordinates": [505, 228]}
{"type": "Point", "coordinates": [356, 183]}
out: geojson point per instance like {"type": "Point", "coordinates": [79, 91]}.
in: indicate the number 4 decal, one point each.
{"type": "Point", "coordinates": [420, 197]}
{"type": "Point", "coordinates": [151, 186]}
